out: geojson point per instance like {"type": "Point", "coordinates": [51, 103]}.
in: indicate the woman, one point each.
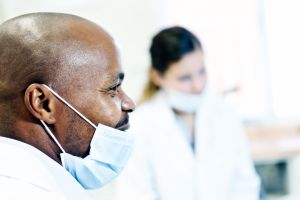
{"type": "Point", "coordinates": [189, 144]}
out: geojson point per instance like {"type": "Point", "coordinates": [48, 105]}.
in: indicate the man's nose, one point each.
{"type": "Point", "coordinates": [128, 105]}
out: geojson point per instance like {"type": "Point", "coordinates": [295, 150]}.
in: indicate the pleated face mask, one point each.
{"type": "Point", "coordinates": [110, 150]}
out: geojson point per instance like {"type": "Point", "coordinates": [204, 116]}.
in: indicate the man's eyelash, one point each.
{"type": "Point", "coordinates": [114, 87]}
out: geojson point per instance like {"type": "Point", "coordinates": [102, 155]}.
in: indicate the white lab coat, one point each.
{"type": "Point", "coordinates": [164, 167]}
{"type": "Point", "coordinates": [27, 173]}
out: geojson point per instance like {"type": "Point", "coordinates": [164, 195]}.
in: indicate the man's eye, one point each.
{"type": "Point", "coordinates": [114, 89]}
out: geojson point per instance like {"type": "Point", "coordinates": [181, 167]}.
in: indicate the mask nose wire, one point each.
{"type": "Point", "coordinates": [70, 106]}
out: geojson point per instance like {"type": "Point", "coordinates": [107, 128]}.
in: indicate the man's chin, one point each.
{"type": "Point", "coordinates": [124, 127]}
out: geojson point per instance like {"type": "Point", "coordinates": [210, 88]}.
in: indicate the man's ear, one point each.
{"type": "Point", "coordinates": [40, 102]}
{"type": "Point", "coordinates": [156, 77]}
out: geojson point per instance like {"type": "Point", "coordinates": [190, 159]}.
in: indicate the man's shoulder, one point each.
{"type": "Point", "coordinates": [19, 162]}
{"type": "Point", "coordinates": [24, 166]}
{"type": "Point", "coordinates": [14, 188]}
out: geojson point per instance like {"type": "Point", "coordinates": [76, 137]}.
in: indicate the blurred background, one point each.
{"type": "Point", "coordinates": [252, 57]}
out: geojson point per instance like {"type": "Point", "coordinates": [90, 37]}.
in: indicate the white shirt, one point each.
{"type": "Point", "coordinates": [27, 173]}
{"type": "Point", "coordinates": [164, 166]}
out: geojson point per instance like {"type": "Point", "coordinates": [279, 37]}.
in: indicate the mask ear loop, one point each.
{"type": "Point", "coordinates": [70, 106]}
{"type": "Point", "coordinates": [52, 136]}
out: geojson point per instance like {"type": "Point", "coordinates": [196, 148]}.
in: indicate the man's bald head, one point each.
{"type": "Point", "coordinates": [44, 48]}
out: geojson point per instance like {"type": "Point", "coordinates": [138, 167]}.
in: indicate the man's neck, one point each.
{"type": "Point", "coordinates": [36, 137]}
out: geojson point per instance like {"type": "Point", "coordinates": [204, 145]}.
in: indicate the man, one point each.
{"type": "Point", "coordinates": [59, 76]}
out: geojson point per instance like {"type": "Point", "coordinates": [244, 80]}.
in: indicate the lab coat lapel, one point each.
{"type": "Point", "coordinates": [177, 167]}
{"type": "Point", "coordinates": [203, 143]}
{"type": "Point", "coordinates": [172, 130]}
{"type": "Point", "coordinates": [212, 149]}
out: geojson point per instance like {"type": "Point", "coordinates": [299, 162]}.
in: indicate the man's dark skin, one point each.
{"type": "Point", "coordinates": [78, 60]}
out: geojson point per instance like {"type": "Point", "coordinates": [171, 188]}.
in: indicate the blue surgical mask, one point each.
{"type": "Point", "coordinates": [109, 151]}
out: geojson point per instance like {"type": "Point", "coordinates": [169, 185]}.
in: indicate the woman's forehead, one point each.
{"type": "Point", "coordinates": [190, 62]}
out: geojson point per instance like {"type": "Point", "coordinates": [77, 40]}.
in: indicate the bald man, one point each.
{"type": "Point", "coordinates": [62, 109]}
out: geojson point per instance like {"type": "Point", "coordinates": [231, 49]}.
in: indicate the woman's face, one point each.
{"type": "Point", "coordinates": [188, 75]}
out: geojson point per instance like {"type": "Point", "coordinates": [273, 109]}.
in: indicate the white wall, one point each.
{"type": "Point", "coordinates": [283, 37]}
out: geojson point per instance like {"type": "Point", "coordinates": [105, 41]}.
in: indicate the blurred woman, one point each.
{"type": "Point", "coordinates": [189, 144]}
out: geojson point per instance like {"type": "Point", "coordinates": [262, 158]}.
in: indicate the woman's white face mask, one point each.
{"type": "Point", "coordinates": [183, 102]}
{"type": "Point", "coordinates": [109, 151]}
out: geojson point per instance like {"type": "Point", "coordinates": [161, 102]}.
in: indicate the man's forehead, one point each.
{"type": "Point", "coordinates": [98, 58]}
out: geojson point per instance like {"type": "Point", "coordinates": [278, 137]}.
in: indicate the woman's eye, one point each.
{"type": "Point", "coordinates": [185, 78]}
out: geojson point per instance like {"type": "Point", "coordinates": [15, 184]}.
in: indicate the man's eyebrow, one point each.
{"type": "Point", "coordinates": [112, 80]}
